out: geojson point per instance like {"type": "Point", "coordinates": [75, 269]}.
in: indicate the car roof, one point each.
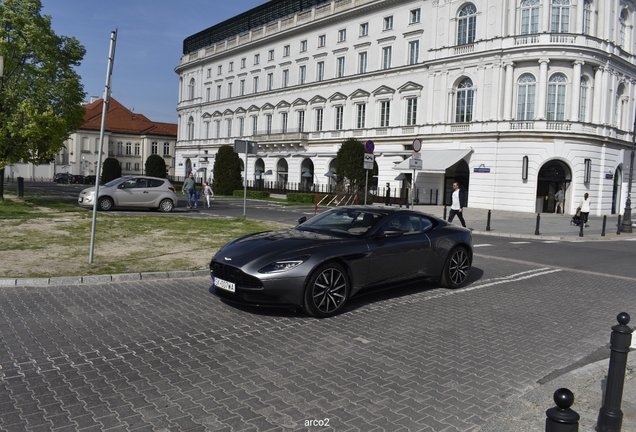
{"type": "Point", "coordinates": [387, 210]}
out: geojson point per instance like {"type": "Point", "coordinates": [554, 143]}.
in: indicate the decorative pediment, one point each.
{"type": "Point", "coordinates": [228, 112]}
{"type": "Point", "coordinates": [267, 106]}
{"type": "Point", "coordinates": [217, 114]}
{"type": "Point", "coordinates": [410, 86]}
{"type": "Point", "coordinates": [383, 90]}
{"type": "Point", "coordinates": [299, 101]}
{"type": "Point", "coordinates": [359, 94]}
{"type": "Point", "coordinates": [337, 96]}
{"type": "Point", "coordinates": [240, 110]}
{"type": "Point", "coordinates": [253, 108]}
{"type": "Point", "coordinates": [206, 115]}
{"type": "Point", "coordinates": [317, 99]}
{"type": "Point", "coordinates": [282, 104]}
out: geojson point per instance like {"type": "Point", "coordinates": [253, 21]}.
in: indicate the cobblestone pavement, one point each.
{"type": "Point", "coordinates": [166, 355]}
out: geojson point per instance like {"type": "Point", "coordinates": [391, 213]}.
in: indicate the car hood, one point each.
{"type": "Point", "coordinates": [271, 245]}
{"type": "Point", "coordinates": [88, 190]}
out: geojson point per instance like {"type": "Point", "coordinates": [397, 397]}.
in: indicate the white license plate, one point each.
{"type": "Point", "coordinates": [223, 284]}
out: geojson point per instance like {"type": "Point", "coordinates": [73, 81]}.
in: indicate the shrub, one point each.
{"type": "Point", "coordinates": [227, 171]}
{"type": "Point", "coordinates": [155, 166]}
{"type": "Point", "coordinates": [111, 170]}
{"type": "Point", "coordinates": [251, 194]}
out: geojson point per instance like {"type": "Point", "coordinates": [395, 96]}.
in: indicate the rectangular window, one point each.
{"type": "Point", "coordinates": [242, 87]}
{"type": "Point", "coordinates": [342, 35]}
{"type": "Point", "coordinates": [583, 104]}
{"type": "Point", "coordinates": [120, 148]}
{"type": "Point", "coordinates": [207, 129]}
{"type": "Point", "coordinates": [255, 85]}
{"type": "Point", "coordinates": [207, 94]}
{"type": "Point", "coordinates": [285, 78]}
{"type": "Point", "coordinates": [364, 29]}
{"type": "Point", "coordinates": [286, 51]}
{"type": "Point", "coordinates": [128, 166]}
{"type": "Point", "coordinates": [268, 120]}
{"type": "Point", "coordinates": [341, 67]}
{"type": "Point", "coordinates": [270, 55]}
{"type": "Point", "coordinates": [257, 59]}
{"type": "Point", "coordinates": [218, 92]}
{"type": "Point", "coordinates": [229, 90]}
{"type": "Point", "coordinates": [362, 62]}
{"type": "Point", "coordinates": [303, 45]}
{"type": "Point", "coordinates": [385, 112]}
{"type": "Point", "coordinates": [137, 167]}
{"type": "Point", "coordinates": [414, 52]}
{"type": "Point", "coordinates": [166, 149]}
{"type": "Point", "coordinates": [128, 149]}
{"type": "Point", "coordinates": [411, 111]}
{"type": "Point", "coordinates": [320, 71]}
{"type": "Point", "coordinates": [270, 81]}
{"type": "Point", "coordinates": [388, 23]}
{"type": "Point", "coordinates": [338, 119]}
{"type": "Point", "coordinates": [209, 73]}
{"type": "Point", "coordinates": [217, 129]}
{"type": "Point", "coordinates": [283, 122]}
{"type": "Point", "coordinates": [319, 115]}
{"type": "Point", "coordinates": [254, 125]}
{"type": "Point", "coordinates": [415, 16]}
{"type": "Point", "coordinates": [241, 126]}
{"type": "Point", "coordinates": [154, 147]}
{"type": "Point", "coordinates": [243, 61]}
{"type": "Point", "coordinates": [219, 69]}
{"type": "Point", "coordinates": [361, 113]}
{"type": "Point", "coordinates": [110, 148]}
{"type": "Point", "coordinates": [137, 149]}
{"type": "Point", "coordinates": [230, 67]}
{"type": "Point", "coordinates": [301, 121]}
{"type": "Point", "coordinates": [322, 41]}
{"type": "Point", "coordinates": [229, 127]}
{"type": "Point", "coordinates": [387, 52]}
{"type": "Point", "coordinates": [302, 74]}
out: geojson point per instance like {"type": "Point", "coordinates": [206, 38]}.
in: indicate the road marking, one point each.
{"type": "Point", "coordinates": [551, 241]}
{"type": "Point", "coordinates": [482, 245]}
{"type": "Point", "coordinates": [520, 242]}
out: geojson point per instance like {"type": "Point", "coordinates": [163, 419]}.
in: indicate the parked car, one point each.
{"type": "Point", "coordinates": [62, 178]}
{"type": "Point", "coordinates": [132, 192]}
{"type": "Point", "coordinates": [78, 179]}
{"type": "Point", "coordinates": [324, 261]}
{"type": "Point", "coordinates": [90, 179]}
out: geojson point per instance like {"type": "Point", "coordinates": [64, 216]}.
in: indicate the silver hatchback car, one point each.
{"type": "Point", "coordinates": [132, 191]}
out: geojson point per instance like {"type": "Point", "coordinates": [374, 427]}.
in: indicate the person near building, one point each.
{"type": "Point", "coordinates": [189, 188]}
{"type": "Point", "coordinates": [207, 192]}
{"type": "Point", "coordinates": [457, 204]}
{"type": "Point", "coordinates": [559, 201]}
{"type": "Point", "coordinates": [585, 209]}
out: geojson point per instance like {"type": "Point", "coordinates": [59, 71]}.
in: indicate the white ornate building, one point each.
{"type": "Point", "coordinates": [512, 98]}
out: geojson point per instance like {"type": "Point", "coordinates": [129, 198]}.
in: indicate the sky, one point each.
{"type": "Point", "coordinates": [149, 46]}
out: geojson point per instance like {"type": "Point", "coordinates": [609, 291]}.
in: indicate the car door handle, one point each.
{"type": "Point", "coordinates": [145, 191]}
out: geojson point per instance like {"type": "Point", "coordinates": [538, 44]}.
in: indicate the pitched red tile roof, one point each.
{"type": "Point", "coordinates": [121, 119]}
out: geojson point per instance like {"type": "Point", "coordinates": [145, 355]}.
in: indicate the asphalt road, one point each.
{"type": "Point", "coordinates": [168, 355]}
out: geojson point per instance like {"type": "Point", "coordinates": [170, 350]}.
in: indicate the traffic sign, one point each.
{"type": "Point", "coordinates": [368, 161]}
{"type": "Point", "coordinates": [415, 164]}
{"type": "Point", "coordinates": [417, 145]}
{"type": "Point", "coordinates": [369, 146]}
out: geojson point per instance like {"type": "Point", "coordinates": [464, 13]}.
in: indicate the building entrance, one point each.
{"type": "Point", "coordinates": [552, 176]}
{"type": "Point", "coordinates": [457, 173]}
{"type": "Point", "coordinates": [616, 191]}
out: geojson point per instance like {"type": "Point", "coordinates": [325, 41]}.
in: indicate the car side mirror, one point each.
{"type": "Point", "coordinates": [302, 220]}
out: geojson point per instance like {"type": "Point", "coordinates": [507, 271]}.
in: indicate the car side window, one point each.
{"type": "Point", "coordinates": [141, 183]}
{"type": "Point", "coordinates": [426, 224]}
{"type": "Point", "coordinates": [154, 183]}
{"type": "Point", "coordinates": [128, 184]}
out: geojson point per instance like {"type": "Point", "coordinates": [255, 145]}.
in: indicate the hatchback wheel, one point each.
{"type": "Point", "coordinates": [105, 204]}
{"type": "Point", "coordinates": [166, 205]}
{"type": "Point", "coordinates": [326, 291]}
{"type": "Point", "coordinates": [456, 269]}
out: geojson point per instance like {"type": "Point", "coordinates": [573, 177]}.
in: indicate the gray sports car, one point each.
{"type": "Point", "coordinates": [327, 259]}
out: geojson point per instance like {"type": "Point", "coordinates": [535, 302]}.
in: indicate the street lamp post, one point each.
{"type": "Point", "coordinates": [626, 225]}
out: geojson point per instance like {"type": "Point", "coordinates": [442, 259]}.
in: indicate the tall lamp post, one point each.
{"type": "Point", "coordinates": [626, 225]}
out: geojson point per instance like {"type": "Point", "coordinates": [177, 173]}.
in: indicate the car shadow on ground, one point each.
{"type": "Point", "coordinates": [361, 299]}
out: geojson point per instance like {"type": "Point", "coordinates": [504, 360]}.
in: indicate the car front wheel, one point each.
{"type": "Point", "coordinates": [326, 291]}
{"type": "Point", "coordinates": [105, 204]}
{"type": "Point", "coordinates": [456, 269]}
{"type": "Point", "coordinates": [166, 206]}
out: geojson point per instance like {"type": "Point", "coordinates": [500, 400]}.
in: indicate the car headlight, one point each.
{"type": "Point", "coordinates": [283, 265]}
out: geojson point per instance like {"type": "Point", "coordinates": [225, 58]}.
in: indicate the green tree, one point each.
{"type": "Point", "coordinates": [350, 159]}
{"type": "Point", "coordinates": [155, 166]}
{"type": "Point", "coordinates": [111, 170]}
{"type": "Point", "coordinates": [227, 171]}
{"type": "Point", "coordinates": [40, 92]}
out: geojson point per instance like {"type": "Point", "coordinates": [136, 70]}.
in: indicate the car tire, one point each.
{"type": "Point", "coordinates": [326, 290]}
{"type": "Point", "coordinates": [166, 206]}
{"type": "Point", "coordinates": [105, 204]}
{"type": "Point", "coordinates": [456, 269]}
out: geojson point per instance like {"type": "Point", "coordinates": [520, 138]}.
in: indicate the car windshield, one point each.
{"type": "Point", "coordinates": [346, 221]}
{"type": "Point", "coordinates": [116, 181]}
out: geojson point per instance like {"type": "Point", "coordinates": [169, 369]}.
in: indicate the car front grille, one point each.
{"type": "Point", "coordinates": [235, 275]}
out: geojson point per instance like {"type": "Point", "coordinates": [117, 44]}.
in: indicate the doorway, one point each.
{"type": "Point", "coordinates": [616, 191]}
{"type": "Point", "coordinates": [457, 173]}
{"type": "Point", "coordinates": [553, 175]}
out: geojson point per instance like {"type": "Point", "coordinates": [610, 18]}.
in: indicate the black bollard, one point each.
{"type": "Point", "coordinates": [488, 222]}
{"type": "Point", "coordinates": [20, 187]}
{"type": "Point", "coordinates": [604, 222]}
{"type": "Point", "coordinates": [444, 212]}
{"type": "Point", "coordinates": [618, 229]}
{"type": "Point", "coordinates": [581, 229]}
{"type": "Point", "coordinates": [562, 418]}
{"type": "Point", "coordinates": [536, 230]}
{"type": "Point", "coordinates": [610, 416]}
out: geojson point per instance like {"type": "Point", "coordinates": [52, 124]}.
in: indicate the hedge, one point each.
{"type": "Point", "coordinates": [251, 194]}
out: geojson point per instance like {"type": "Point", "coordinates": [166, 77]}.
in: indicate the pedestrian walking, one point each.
{"type": "Point", "coordinates": [559, 201]}
{"type": "Point", "coordinates": [585, 209]}
{"type": "Point", "coordinates": [457, 204]}
{"type": "Point", "coordinates": [189, 188]}
{"type": "Point", "coordinates": [207, 192]}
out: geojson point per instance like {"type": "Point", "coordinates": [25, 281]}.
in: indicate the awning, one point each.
{"type": "Point", "coordinates": [436, 161]}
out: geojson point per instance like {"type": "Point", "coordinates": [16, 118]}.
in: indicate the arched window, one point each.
{"type": "Point", "coordinates": [467, 25]}
{"type": "Point", "coordinates": [190, 128]}
{"type": "Point", "coordinates": [587, 17]}
{"type": "Point", "coordinates": [191, 89]}
{"type": "Point", "coordinates": [583, 99]}
{"type": "Point", "coordinates": [623, 28]}
{"type": "Point", "coordinates": [560, 16]}
{"type": "Point", "coordinates": [465, 97]}
{"type": "Point", "coordinates": [618, 108]}
{"type": "Point", "coordinates": [281, 172]}
{"type": "Point", "coordinates": [529, 16]}
{"type": "Point", "coordinates": [525, 97]}
{"type": "Point", "coordinates": [556, 97]}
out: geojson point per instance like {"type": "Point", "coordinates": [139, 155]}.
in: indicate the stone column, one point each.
{"type": "Point", "coordinates": [510, 67]}
{"type": "Point", "coordinates": [598, 95]}
{"type": "Point", "coordinates": [576, 91]}
{"type": "Point", "coordinates": [542, 90]}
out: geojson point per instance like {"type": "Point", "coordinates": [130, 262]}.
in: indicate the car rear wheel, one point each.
{"type": "Point", "coordinates": [456, 269]}
{"type": "Point", "coordinates": [105, 204]}
{"type": "Point", "coordinates": [326, 291]}
{"type": "Point", "coordinates": [166, 205]}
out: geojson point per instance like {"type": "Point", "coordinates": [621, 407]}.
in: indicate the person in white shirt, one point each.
{"type": "Point", "coordinates": [585, 209]}
{"type": "Point", "coordinates": [457, 205]}
{"type": "Point", "coordinates": [559, 201]}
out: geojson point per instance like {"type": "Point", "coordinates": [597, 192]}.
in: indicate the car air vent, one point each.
{"type": "Point", "coordinates": [232, 274]}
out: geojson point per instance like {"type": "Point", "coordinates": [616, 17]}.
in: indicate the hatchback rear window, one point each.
{"type": "Point", "coordinates": [155, 182]}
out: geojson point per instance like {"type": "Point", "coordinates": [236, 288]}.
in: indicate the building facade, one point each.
{"type": "Point", "coordinates": [131, 138]}
{"type": "Point", "coordinates": [512, 98]}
